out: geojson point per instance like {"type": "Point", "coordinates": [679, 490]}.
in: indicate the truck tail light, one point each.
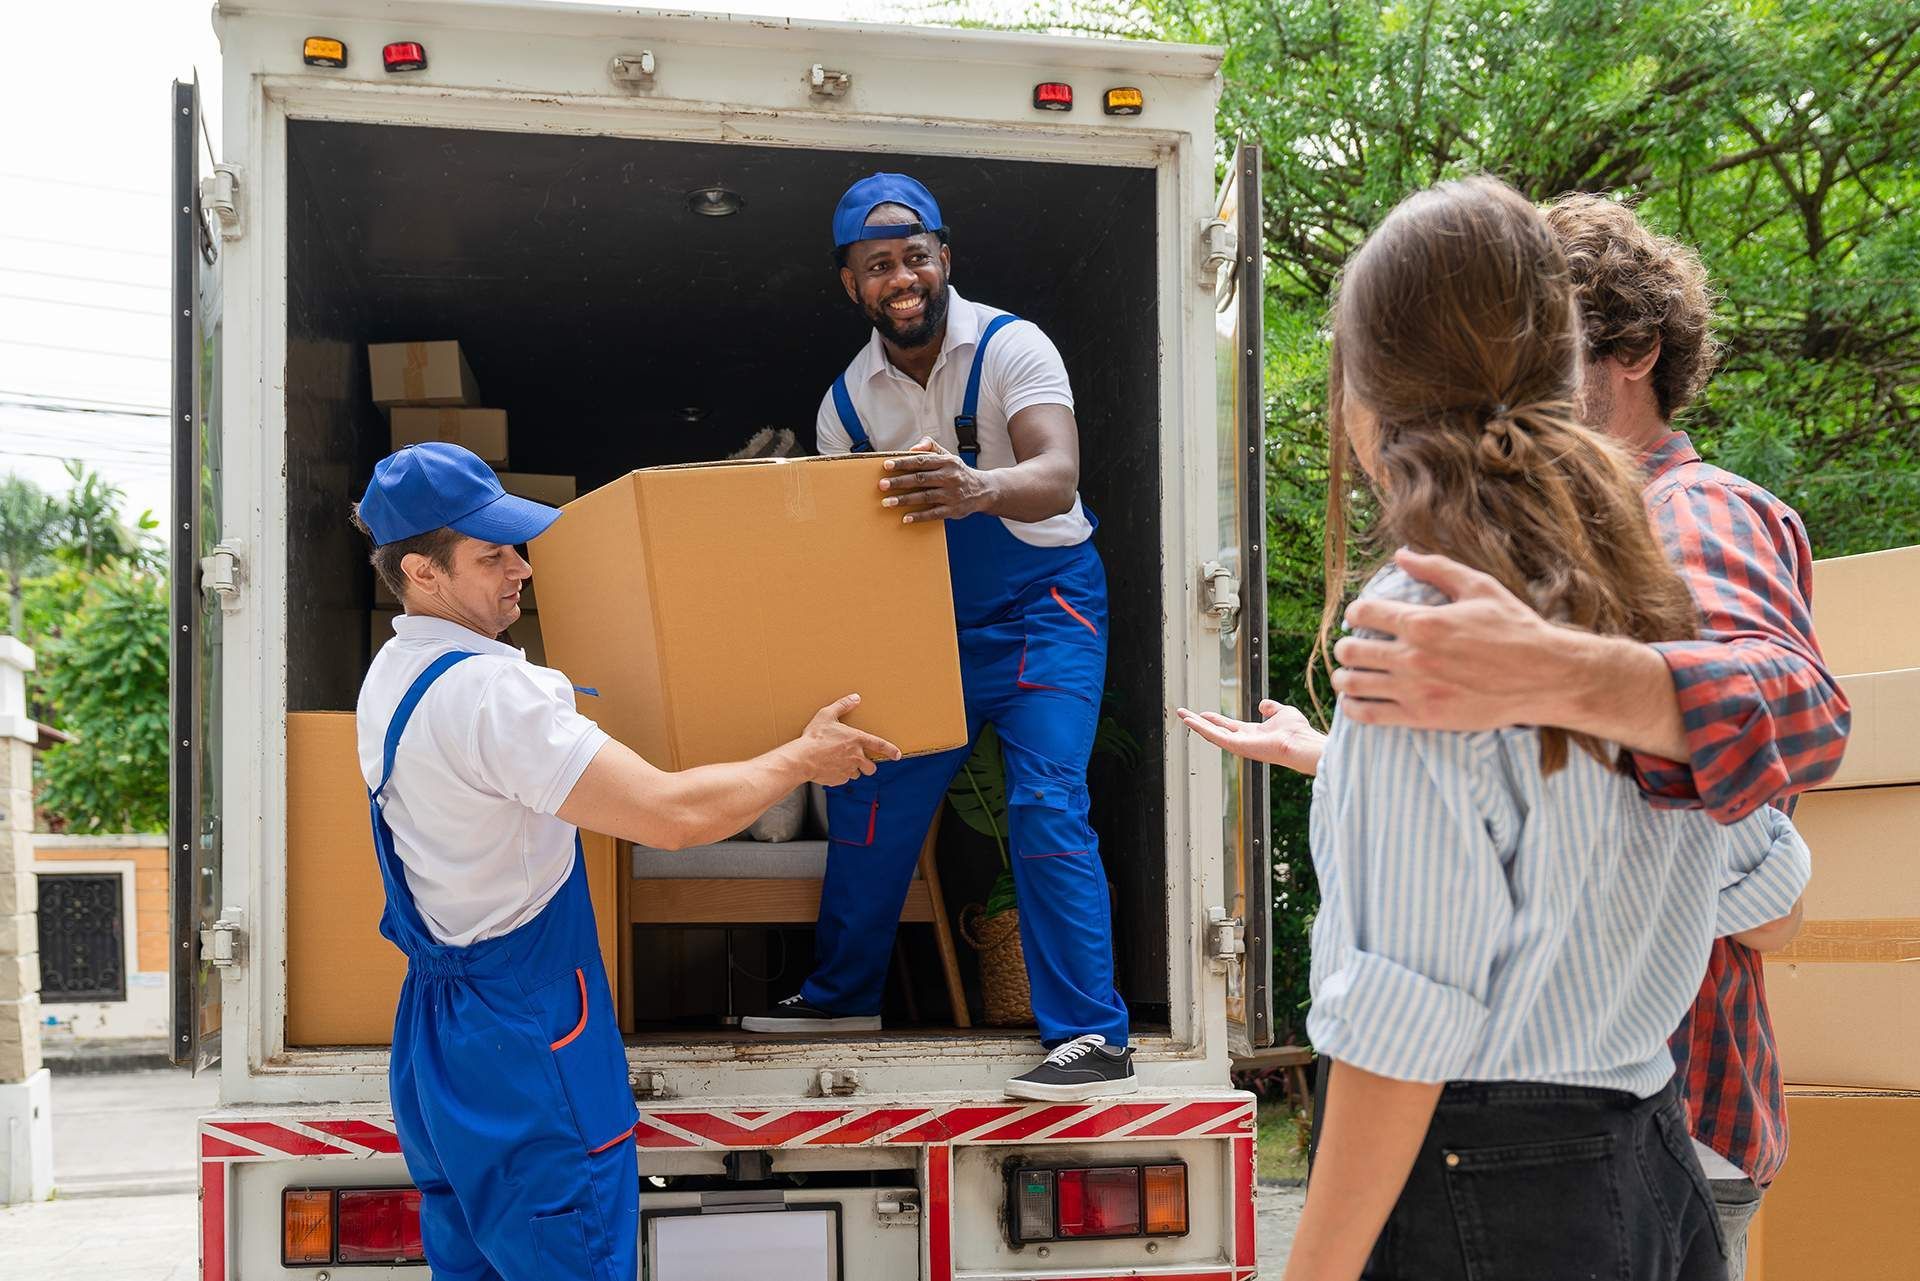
{"type": "Point", "coordinates": [350, 1225]}
{"type": "Point", "coordinates": [406, 55]}
{"type": "Point", "coordinates": [1166, 1200]}
{"type": "Point", "coordinates": [1053, 96]}
{"type": "Point", "coordinates": [1097, 1201]}
{"type": "Point", "coordinates": [380, 1225]}
{"type": "Point", "coordinates": [1124, 102]}
{"type": "Point", "coordinates": [306, 1218]}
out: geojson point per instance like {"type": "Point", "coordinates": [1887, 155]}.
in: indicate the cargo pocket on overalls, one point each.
{"type": "Point", "coordinates": [577, 1014]}
{"type": "Point", "coordinates": [560, 1241]}
{"type": "Point", "coordinates": [853, 811]}
{"type": "Point", "coordinates": [1063, 650]}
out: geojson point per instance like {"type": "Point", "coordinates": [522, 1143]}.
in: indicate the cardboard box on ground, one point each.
{"type": "Point", "coordinates": [1843, 995]}
{"type": "Point", "coordinates": [1842, 1208]}
{"type": "Point", "coordinates": [717, 607]}
{"type": "Point", "coordinates": [343, 978]}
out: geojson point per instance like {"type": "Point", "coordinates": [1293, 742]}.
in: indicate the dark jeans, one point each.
{"type": "Point", "coordinates": [1529, 1182]}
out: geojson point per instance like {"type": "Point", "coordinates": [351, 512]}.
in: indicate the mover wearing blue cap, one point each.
{"type": "Point", "coordinates": [508, 1075]}
{"type": "Point", "coordinates": [984, 400]}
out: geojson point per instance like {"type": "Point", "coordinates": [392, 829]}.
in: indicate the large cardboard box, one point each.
{"type": "Point", "coordinates": [343, 978]}
{"type": "Point", "coordinates": [421, 373]}
{"type": "Point", "coordinates": [717, 607]}
{"type": "Point", "coordinates": [483, 431]}
{"type": "Point", "coordinates": [1866, 610]}
{"type": "Point", "coordinates": [1883, 747]}
{"type": "Point", "coordinates": [1843, 1207]}
{"type": "Point", "coordinates": [554, 491]}
{"type": "Point", "coordinates": [1844, 996]}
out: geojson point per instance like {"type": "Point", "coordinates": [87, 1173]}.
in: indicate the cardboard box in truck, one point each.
{"type": "Point", "coordinates": [716, 608]}
{"type": "Point", "coordinates": [484, 431]}
{"type": "Point", "coordinates": [555, 491]}
{"type": "Point", "coordinates": [421, 373]}
{"type": "Point", "coordinates": [1866, 610]}
{"type": "Point", "coordinates": [1843, 1205]}
{"type": "Point", "coordinates": [343, 977]}
{"type": "Point", "coordinates": [1883, 748]}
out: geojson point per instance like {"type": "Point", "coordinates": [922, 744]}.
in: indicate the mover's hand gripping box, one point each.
{"type": "Point", "coordinates": [714, 608]}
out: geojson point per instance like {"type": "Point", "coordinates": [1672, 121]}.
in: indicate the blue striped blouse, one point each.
{"type": "Point", "coordinates": [1482, 921]}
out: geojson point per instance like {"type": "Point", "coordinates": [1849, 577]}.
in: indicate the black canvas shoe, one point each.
{"type": "Point", "coordinates": [795, 1015]}
{"type": "Point", "coordinates": [1084, 1068]}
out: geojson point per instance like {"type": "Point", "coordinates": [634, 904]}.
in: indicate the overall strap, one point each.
{"type": "Point", "coordinates": [966, 426]}
{"type": "Point", "coordinates": [402, 714]}
{"type": "Point", "coordinates": [843, 404]}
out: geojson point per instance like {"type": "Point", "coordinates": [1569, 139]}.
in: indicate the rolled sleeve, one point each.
{"type": "Point", "coordinates": [1763, 717]}
{"type": "Point", "coordinates": [1386, 1019]}
{"type": "Point", "coordinates": [1768, 866]}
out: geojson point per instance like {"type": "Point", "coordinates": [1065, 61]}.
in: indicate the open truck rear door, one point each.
{"type": "Point", "coordinates": [201, 579]}
{"type": "Point", "coordinates": [1237, 598]}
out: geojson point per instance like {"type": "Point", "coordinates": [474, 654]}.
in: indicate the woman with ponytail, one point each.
{"type": "Point", "coordinates": [1508, 932]}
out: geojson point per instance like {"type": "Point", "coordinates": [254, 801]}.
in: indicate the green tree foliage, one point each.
{"type": "Point", "coordinates": [28, 518]}
{"type": "Point", "coordinates": [106, 682]}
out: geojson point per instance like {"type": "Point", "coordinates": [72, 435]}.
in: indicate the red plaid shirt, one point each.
{"type": "Point", "coordinates": [1764, 720]}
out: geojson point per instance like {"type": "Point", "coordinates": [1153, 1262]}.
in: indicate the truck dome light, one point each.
{"type": "Point", "coordinates": [1166, 1187]}
{"type": "Point", "coordinates": [405, 55]}
{"type": "Point", "coordinates": [1053, 96]}
{"type": "Point", "coordinates": [380, 1225]}
{"type": "Point", "coordinates": [714, 202]}
{"type": "Point", "coordinates": [1124, 102]}
{"type": "Point", "coordinates": [323, 51]}
{"type": "Point", "coordinates": [306, 1234]}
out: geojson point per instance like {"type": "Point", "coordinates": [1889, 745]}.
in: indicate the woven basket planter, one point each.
{"type": "Point", "coordinates": [1003, 965]}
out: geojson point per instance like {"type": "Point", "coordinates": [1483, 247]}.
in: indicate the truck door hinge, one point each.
{"type": "Point", "coordinates": [1219, 246]}
{"type": "Point", "coordinates": [220, 197]}
{"type": "Point", "coordinates": [832, 1083]}
{"type": "Point", "coordinates": [824, 83]}
{"type": "Point", "coordinates": [897, 1210]}
{"type": "Point", "coordinates": [633, 68]}
{"type": "Point", "coordinates": [223, 944]}
{"type": "Point", "coordinates": [647, 1083]}
{"type": "Point", "coordinates": [1220, 597]}
{"type": "Point", "coordinates": [222, 574]}
{"type": "Point", "coordinates": [1225, 943]}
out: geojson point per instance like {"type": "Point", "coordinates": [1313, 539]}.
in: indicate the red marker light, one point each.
{"type": "Point", "coordinates": [1053, 96]}
{"type": "Point", "coordinates": [407, 55]}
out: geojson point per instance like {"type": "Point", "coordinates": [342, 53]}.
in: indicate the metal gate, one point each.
{"type": "Point", "coordinates": [83, 937]}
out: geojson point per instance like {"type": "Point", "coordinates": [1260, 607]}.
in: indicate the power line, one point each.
{"type": "Point", "coordinates": [82, 400]}
{"type": "Point", "coordinates": [89, 280]}
{"type": "Point", "coordinates": [85, 186]}
{"type": "Point", "coordinates": [91, 306]}
{"type": "Point", "coordinates": [85, 458]}
{"type": "Point", "coordinates": [61, 407]}
{"type": "Point", "coordinates": [80, 244]}
{"type": "Point", "coordinates": [82, 351]}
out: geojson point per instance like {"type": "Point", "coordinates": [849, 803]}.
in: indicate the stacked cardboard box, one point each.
{"type": "Point", "coordinates": [1845, 995]}
{"type": "Point", "coordinates": [343, 978]}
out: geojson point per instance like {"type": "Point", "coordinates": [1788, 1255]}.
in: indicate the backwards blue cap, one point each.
{"type": "Point", "coordinates": [438, 485]}
{"type": "Point", "coordinates": [850, 216]}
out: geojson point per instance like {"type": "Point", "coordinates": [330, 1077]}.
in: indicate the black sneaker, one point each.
{"type": "Point", "coordinates": [1084, 1068]}
{"type": "Point", "coordinates": [795, 1015]}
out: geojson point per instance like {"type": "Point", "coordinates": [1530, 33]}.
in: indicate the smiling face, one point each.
{"type": "Point", "coordinates": [900, 284]}
{"type": "Point", "coordinates": [479, 589]}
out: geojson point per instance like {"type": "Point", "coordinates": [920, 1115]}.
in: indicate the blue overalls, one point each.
{"type": "Point", "coordinates": [1033, 660]}
{"type": "Point", "coordinates": [509, 1082]}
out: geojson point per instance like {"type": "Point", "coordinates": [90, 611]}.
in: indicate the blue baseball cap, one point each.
{"type": "Point", "coordinates": [438, 485]}
{"type": "Point", "coordinates": [850, 215]}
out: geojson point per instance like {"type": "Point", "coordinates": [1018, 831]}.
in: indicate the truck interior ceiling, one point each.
{"type": "Point", "coordinates": [619, 328]}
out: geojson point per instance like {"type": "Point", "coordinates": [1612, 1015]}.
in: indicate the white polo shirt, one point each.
{"type": "Point", "coordinates": [491, 752]}
{"type": "Point", "coordinates": [1023, 369]}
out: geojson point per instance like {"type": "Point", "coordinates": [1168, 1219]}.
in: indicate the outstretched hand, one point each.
{"type": "Point", "coordinates": [1282, 737]}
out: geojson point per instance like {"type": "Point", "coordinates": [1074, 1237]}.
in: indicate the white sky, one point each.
{"type": "Point", "coordinates": [83, 225]}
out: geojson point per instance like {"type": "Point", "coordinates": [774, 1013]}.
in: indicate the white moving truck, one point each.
{"type": "Point", "coordinates": [623, 217]}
